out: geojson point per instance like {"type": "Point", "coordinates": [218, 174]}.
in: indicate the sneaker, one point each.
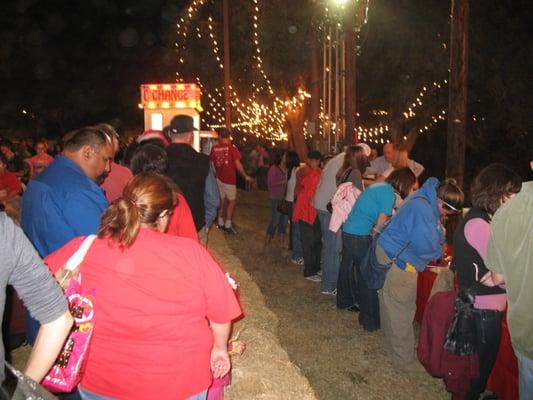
{"type": "Point", "coordinates": [330, 292]}
{"type": "Point", "coordinates": [230, 230]}
{"type": "Point", "coordinates": [297, 261]}
{"type": "Point", "coordinates": [354, 308]}
{"type": "Point", "coordinates": [313, 278]}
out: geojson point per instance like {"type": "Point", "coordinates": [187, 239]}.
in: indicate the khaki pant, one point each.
{"type": "Point", "coordinates": [397, 307]}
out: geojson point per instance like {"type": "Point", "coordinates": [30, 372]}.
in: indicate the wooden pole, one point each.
{"type": "Point", "coordinates": [457, 116]}
{"type": "Point", "coordinates": [227, 84]}
{"type": "Point", "coordinates": [351, 103]}
{"type": "Point", "coordinates": [315, 87]}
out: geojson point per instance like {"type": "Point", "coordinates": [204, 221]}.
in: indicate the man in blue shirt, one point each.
{"type": "Point", "coordinates": [65, 201]}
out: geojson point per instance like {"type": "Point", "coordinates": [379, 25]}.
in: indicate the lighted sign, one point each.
{"type": "Point", "coordinates": [180, 95]}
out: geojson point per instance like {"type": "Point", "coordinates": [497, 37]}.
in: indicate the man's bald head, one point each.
{"type": "Point", "coordinates": [388, 152]}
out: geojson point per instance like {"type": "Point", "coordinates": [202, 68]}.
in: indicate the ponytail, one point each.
{"type": "Point", "coordinates": [121, 222]}
{"type": "Point", "coordinates": [143, 200]}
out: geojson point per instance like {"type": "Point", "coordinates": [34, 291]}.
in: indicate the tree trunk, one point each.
{"type": "Point", "coordinates": [457, 117]}
{"type": "Point", "coordinates": [295, 125]}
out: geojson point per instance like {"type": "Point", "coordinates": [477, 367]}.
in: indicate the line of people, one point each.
{"type": "Point", "coordinates": [164, 306]}
{"type": "Point", "coordinates": [348, 214]}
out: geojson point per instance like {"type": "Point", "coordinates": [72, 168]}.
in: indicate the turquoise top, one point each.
{"type": "Point", "coordinates": [376, 199]}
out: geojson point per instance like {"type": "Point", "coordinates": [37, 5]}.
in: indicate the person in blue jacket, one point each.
{"type": "Point", "coordinates": [65, 200]}
{"type": "Point", "coordinates": [413, 238]}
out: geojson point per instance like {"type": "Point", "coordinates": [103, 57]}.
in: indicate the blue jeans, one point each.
{"type": "Point", "coordinates": [525, 372]}
{"type": "Point", "coordinates": [86, 395]}
{"type": "Point", "coordinates": [331, 253]}
{"type": "Point", "coordinates": [32, 327]}
{"type": "Point", "coordinates": [354, 248]}
{"type": "Point", "coordinates": [369, 317]}
{"type": "Point", "coordinates": [296, 241]}
{"type": "Point", "coordinates": [278, 221]}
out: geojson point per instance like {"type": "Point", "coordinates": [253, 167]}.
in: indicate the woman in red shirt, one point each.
{"type": "Point", "coordinates": [152, 158]}
{"type": "Point", "coordinates": [163, 305]}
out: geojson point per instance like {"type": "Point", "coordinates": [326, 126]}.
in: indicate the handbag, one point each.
{"type": "Point", "coordinates": [18, 386]}
{"type": "Point", "coordinates": [283, 207]}
{"type": "Point", "coordinates": [67, 370]}
{"type": "Point", "coordinates": [372, 271]}
{"type": "Point", "coordinates": [344, 179]}
{"type": "Point", "coordinates": [461, 336]}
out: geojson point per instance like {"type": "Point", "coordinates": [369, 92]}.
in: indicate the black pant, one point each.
{"type": "Point", "coordinates": [311, 246]}
{"type": "Point", "coordinates": [488, 335]}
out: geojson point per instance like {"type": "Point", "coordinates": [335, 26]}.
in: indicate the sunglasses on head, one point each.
{"type": "Point", "coordinates": [449, 207]}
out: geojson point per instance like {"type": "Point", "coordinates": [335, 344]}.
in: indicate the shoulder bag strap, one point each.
{"type": "Point", "coordinates": [77, 258]}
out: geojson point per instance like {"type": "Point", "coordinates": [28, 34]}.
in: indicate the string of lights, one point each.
{"type": "Point", "coordinates": [267, 119]}
{"type": "Point", "coordinates": [381, 133]}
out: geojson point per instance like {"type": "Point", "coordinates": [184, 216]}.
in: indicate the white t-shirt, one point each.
{"type": "Point", "coordinates": [291, 184]}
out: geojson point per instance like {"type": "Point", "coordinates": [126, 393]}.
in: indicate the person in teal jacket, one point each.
{"type": "Point", "coordinates": [413, 238]}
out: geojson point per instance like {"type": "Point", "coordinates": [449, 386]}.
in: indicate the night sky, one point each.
{"type": "Point", "coordinates": [72, 63]}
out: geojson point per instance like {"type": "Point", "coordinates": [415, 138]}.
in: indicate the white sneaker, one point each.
{"type": "Point", "coordinates": [330, 292]}
{"type": "Point", "coordinates": [313, 278]}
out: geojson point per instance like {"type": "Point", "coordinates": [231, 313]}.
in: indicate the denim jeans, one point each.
{"type": "Point", "coordinates": [296, 241]}
{"type": "Point", "coordinates": [32, 327]}
{"type": "Point", "coordinates": [86, 395]}
{"type": "Point", "coordinates": [278, 221]}
{"type": "Point", "coordinates": [525, 372]}
{"type": "Point", "coordinates": [354, 248]}
{"type": "Point", "coordinates": [369, 317]}
{"type": "Point", "coordinates": [488, 327]}
{"type": "Point", "coordinates": [331, 253]}
{"type": "Point", "coordinates": [311, 247]}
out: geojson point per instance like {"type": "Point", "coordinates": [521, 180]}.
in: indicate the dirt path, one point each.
{"type": "Point", "coordinates": [339, 359]}
{"type": "Point", "coordinates": [299, 346]}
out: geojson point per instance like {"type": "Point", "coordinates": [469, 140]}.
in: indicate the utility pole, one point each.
{"type": "Point", "coordinates": [351, 99]}
{"type": "Point", "coordinates": [457, 116]}
{"type": "Point", "coordinates": [227, 84]}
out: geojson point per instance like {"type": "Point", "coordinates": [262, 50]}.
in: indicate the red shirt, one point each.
{"type": "Point", "coordinates": [39, 162]}
{"type": "Point", "coordinates": [307, 180]}
{"type": "Point", "coordinates": [152, 305]}
{"type": "Point", "coordinates": [8, 180]}
{"type": "Point", "coordinates": [181, 222]}
{"type": "Point", "coordinates": [114, 184]}
{"type": "Point", "coordinates": [223, 156]}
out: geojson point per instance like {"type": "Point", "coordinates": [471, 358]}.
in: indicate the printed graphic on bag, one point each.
{"type": "Point", "coordinates": [67, 370]}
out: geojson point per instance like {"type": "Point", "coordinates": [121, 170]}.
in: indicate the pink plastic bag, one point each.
{"type": "Point", "coordinates": [67, 370]}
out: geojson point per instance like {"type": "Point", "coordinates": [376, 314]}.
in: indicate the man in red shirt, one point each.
{"type": "Point", "coordinates": [41, 160]}
{"type": "Point", "coordinates": [10, 186]}
{"type": "Point", "coordinates": [226, 159]}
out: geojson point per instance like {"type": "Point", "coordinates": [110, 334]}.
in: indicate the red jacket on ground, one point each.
{"type": "Point", "coordinates": [456, 371]}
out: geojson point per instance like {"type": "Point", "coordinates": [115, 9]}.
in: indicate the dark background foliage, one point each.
{"type": "Point", "coordinates": [69, 63]}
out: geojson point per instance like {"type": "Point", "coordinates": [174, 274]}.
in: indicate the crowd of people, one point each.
{"type": "Point", "coordinates": [164, 306]}
{"type": "Point", "coordinates": [354, 212]}
{"type": "Point", "coordinates": [360, 225]}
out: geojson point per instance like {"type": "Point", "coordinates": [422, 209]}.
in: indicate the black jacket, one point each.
{"type": "Point", "coordinates": [189, 170]}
